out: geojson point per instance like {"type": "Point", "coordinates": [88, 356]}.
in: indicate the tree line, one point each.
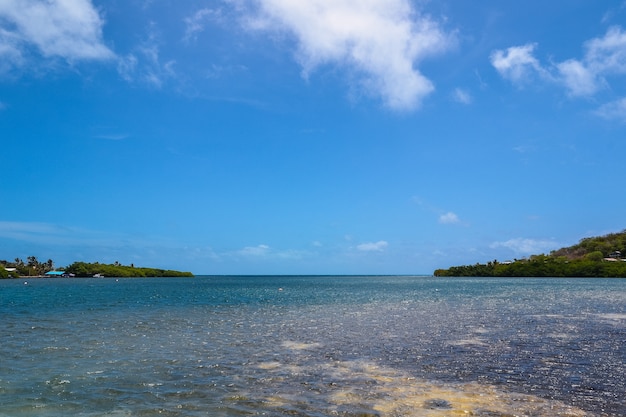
{"type": "Point", "coordinates": [84, 269]}
{"type": "Point", "coordinates": [540, 266]}
{"type": "Point", "coordinates": [32, 267]}
{"type": "Point", "coordinates": [592, 257]}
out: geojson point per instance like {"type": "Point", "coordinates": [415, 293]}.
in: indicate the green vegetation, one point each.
{"type": "Point", "coordinates": [32, 267]}
{"type": "Point", "coordinates": [4, 274]}
{"type": "Point", "coordinates": [591, 257]}
{"type": "Point", "coordinates": [83, 269]}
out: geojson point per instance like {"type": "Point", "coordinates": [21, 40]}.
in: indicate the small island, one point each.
{"type": "Point", "coordinates": [33, 268]}
{"type": "Point", "coordinates": [592, 257]}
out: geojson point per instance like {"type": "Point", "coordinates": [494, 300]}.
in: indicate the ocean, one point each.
{"type": "Point", "coordinates": [315, 346]}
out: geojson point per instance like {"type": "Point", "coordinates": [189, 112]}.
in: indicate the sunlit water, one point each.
{"type": "Point", "coordinates": [313, 346]}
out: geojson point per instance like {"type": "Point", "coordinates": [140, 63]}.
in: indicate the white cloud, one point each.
{"type": "Point", "coordinates": [607, 54]}
{"type": "Point", "coordinates": [526, 246]}
{"type": "Point", "coordinates": [578, 79]}
{"type": "Point", "coordinates": [381, 41]}
{"type": "Point", "coordinates": [260, 250]}
{"type": "Point", "coordinates": [517, 63]}
{"type": "Point", "coordinates": [10, 54]}
{"type": "Point", "coordinates": [603, 57]}
{"type": "Point", "coordinates": [265, 252]}
{"type": "Point", "coordinates": [461, 96]}
{"type": "Point", "coordinates": [379, 246]}
{"type": "Point", "coordinates": [196, 23]}
{"type": "Point", "coordinates": [127, 66]}
{"type": "Point", "coordinates": [443, 217]}
{"type": "Point", "coordinates": [615, 110]}
{"type": "Point", "coordinates": [449, 218]}
{"type": "Point", "coordinates": [144, 64]}
{"type": "Point", "coordinates": [69, 29]}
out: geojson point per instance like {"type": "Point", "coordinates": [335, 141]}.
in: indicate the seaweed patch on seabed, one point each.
{"type": "Point", "coordinates": [365, 389]}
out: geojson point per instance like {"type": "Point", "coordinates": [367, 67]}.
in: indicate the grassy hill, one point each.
{"type": "Point", "coordinates": [592, 257]}
{"type": "Point", "coordinates": [606, 245]}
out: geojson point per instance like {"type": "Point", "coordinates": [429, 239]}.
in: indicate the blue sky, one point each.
{"type": "Point", "coordinates": [309, 137]}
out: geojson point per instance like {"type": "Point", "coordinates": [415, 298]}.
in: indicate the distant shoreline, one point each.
{"type": "Point", "coordinates": [592, 257]}
{"type": "Point", "coordinates": [35, 269]}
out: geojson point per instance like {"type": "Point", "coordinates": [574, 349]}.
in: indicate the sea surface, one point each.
{"type": "Point", "coordinates": [313, 346]}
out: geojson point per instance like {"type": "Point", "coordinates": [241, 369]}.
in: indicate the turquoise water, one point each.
{"type": "Point", "coordinates": [312, 346]}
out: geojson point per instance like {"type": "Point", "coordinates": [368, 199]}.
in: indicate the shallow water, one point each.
{"type": "Point", "coordinates": [313, 346]}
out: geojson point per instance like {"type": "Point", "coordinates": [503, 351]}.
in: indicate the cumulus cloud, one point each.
{"type": "Point", "coordinates": [379, 246]}
{"type": "Point", "coordinates": [69, 29]}
{"type": "Point", "coordinates": [443, 216]}
{"type": "Point", "coordinates": [525, 246]}
{"type": "Point", "coordinates": [607, 54]}
{"type": "Point", "coordinates": [381, 41]}
{"type": "Point", "coordinates": [578, 78]}
{"type": "Point", "coordinates": [517, 63]}
{"type": "Point", "coordinates": [615, 110]}
{"type": "Point", "coordinates": [603, 57]}
{"type": "Point", "coordinates": [449, 218]}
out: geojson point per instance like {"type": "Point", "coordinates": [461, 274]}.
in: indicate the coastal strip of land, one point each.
{"type": "Point", "coordinates": [592, 257]}
{"type": "Point", "coordinates": [33, 268]}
